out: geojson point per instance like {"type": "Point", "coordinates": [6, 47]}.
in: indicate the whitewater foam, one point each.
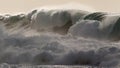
{"type": "Point", "coordinates": [62, 37]}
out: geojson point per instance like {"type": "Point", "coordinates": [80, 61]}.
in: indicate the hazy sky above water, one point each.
{"type": "Point", "coordinates": [14, 6]}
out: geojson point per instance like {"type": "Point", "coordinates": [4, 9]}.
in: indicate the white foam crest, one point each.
{"type": "Point", "coordinates": [71, 5]}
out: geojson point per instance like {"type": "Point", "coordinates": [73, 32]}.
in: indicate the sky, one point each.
{"type": "Point", "coordinates": [15, 6]}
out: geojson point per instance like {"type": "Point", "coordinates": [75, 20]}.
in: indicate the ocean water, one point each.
{"type": "Point", "coordinates": [60, 37]}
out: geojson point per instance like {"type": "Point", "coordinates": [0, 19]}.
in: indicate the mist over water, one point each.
{"type": "Point", "coordinates": [60, 37]}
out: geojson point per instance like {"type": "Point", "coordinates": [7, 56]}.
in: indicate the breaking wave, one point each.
{"type": "Point", "coordinates": [60, 37]}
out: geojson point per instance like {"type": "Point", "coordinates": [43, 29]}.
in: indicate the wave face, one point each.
{"type": "Point", "coordinates": [56, 20]}
{"type": "Point", "coordinates": [60, 37]}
